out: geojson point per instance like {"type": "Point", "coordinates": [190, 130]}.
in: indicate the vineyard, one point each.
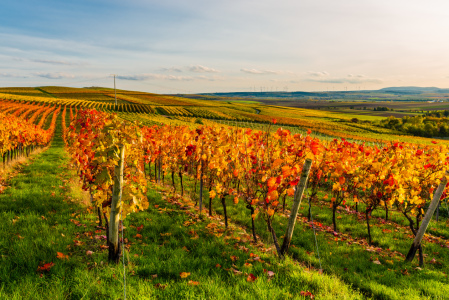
{"type": "Point", "coordinates": [199, 199]}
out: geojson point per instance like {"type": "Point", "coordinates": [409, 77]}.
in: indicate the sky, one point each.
{"type": "Point", "coordinates": [203, 46]}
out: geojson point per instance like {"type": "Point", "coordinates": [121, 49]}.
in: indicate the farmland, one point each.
{"type": "Point", "coordinates": [203, 180]}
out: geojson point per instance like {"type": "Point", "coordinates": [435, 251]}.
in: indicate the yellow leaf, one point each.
{"type": "Point", "coordinates": [184, 274]}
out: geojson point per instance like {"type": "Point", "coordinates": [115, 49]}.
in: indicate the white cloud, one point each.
{"type": "Point", "coordinates": [259, 72]}
{"type": "Point", "coordinates": [171, 69]}
{"type": "Point", "coordinates": [10, 75]}
{"type": "Point", "coordinates": [141, 77]}
{"type": "Point", "coordinates": [54, 62]}
{"type": "Point", "coordinates": [56, 75]}
{"type": "Point", "coordinates": [201, 69]}
{"type": "Point", "coordinates": [318, 74]}
{"type": "Point", "coordinates": [210, 78]}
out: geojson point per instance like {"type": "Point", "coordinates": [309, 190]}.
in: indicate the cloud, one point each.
{"type": "Point", "coordinates": [318, 74]}
{"type": "Point", "coordinates": [9, 75]}
{"type": "Point", "coordinates": [54, 62]}
{"type": "Point", "coordinates": [354, 79]}
{"type": "Point", "coordinates": [259, 72]}
{"type": "Point", "coordinates": [141, 77]}
{"type": "Point", "coordinates": [171, 69]}
{"type": "Point", "coordinates": [57, 75]}
{"type": "Point", "coordinates": [201, 69]}
{"type": "Point", "coordinates": [210, 78]}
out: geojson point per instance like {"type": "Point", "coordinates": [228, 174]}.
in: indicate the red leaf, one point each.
{"type": "Point", "coordinates": [45, 267]}
{"type": "Point", "coordinates": [251, 278]}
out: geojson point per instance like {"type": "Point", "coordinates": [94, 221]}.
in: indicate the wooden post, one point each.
{"type": "Point", "coordinates": [425, 222]}
{"type": "Point", "coordinates": [300, 188]}
{"type": "Point", "coordinates": [114, 219]}
{"type": "Point", "coordinates": [201, 189]}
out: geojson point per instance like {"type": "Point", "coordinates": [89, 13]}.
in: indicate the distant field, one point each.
{"type": "Point", "coordinates": [349, 120]}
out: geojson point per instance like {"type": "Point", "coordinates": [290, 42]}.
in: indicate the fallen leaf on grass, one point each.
{"type": "Point", "coordinates": [138, 236]}
{"type": "Point", "coordinates": [234, 258]}
{"type": "Point", "coordinates": [45, 267]}
{"type": "Point", "coordinates": [236, 272]}
{"type": "Point", "coordinates": [78, 243]}
{"type": "Point", "coordinates": [307, 294]}
{"type": "Point", "coordinates": [251, 278]}
{"type": "Point", "coordinates": [61, 255]}
{"type": "Point", "coordinates": [377, 262]}
{"type": "Point", "coordinates": [139, 228]}
{"type": "Point", "coordinates": [191, 282]}
{"type": "Point", "coordinates": [160, 286]}
{"type": "Point", "coordinates": [217, 266]}
{"type": "Point", "coordinates": [184, 274]}
{"type": "Point", "coordinates": [89, 253]}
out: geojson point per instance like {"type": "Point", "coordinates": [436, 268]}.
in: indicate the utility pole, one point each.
{"type": "Point", "coordinates": [115, 92]}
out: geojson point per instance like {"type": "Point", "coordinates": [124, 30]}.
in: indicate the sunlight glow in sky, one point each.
{"type": "Point", "coordinates": [183, 46]}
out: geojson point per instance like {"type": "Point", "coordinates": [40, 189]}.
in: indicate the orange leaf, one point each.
{"type": "Point", "coordinates": [61, 255]}
{"type": "Point", "coordinates": [184, 274]}
{"type": "Point", "coordinates": [271, 182]}
{"type": "Point", "coordinates": [276, 163]}
{"type": "Point", "coordinates": [251, 278]}
{"type": "Point", "coordinates": [270, 212]}
{"type": "Point", "coordinates": [191, 282]}
{"type": "Point", "coordinates": [273, 195]}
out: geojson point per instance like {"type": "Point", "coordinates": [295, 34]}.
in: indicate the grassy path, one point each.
{"type": "Point", "coordinates": [36, 212]}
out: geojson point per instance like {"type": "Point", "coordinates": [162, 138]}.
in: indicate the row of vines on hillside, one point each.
{"type": "Point", "coordinates": [19, 136]}
{"type": "Point", "coordinates": [259, 168]}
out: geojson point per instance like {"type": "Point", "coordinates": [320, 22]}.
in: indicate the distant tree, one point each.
{"type": "Point", "coordinates": [443, 130]}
